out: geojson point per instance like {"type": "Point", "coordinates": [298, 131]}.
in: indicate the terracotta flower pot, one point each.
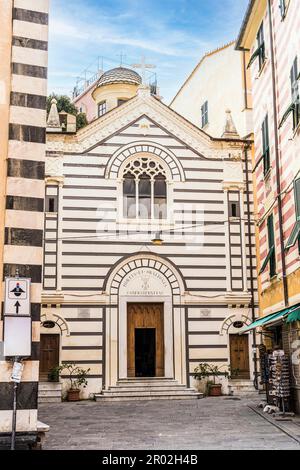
{"type": "Point", "coordinates": [73, 395]}
{"type": "Point", "coordinates": [215, 390]}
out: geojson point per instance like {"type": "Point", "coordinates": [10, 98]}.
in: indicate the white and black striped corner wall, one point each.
{"type": "Point", "coordinates": [25, 195]}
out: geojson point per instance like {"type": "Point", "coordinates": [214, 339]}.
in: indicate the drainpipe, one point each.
{"type": "Point", "coordinates": [254, 343]}
{"type": "Point", "coordinates": [245, 79]}
{"type": "Point", "coordinates": [277, 158]}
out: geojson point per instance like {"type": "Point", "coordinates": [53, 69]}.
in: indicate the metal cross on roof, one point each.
{"type": "Point", "coordinates": [122, 56]}
{"type": "Point", "coordinates": [144, 66]}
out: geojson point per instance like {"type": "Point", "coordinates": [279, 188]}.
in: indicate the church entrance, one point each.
{"type": "Point", "coordinates": [145, 341]}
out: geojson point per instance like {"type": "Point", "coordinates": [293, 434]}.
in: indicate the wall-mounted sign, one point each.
{"type": "Point", "coordinates": [17, 336]}
{"type": "Point", "coordinates": [17, 296]}
{"type": "Point", "coordinates": [145, 282]}
{"type": "Point", "coordinates": [48, 324]}
{"type": "Point", "coordinates": [238, 324]}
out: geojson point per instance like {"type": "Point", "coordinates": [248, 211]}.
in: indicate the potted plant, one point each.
{"type": "Point", "coordinates": [53, 375]}
{"type": "Point", "coordinates": [206, 371]}
{"type": "Point", "coordinates": [77, 378]}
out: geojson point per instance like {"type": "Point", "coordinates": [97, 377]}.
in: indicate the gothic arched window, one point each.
{"type": "Point", "coordinates": [144, 190]}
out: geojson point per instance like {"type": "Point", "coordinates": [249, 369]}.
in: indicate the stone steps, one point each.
{"type": "Point", "coordinates": [242, 387]}
{"type": "Point", "coordinates": [49, 392]}
{"type": "Point", "coordinates": [148, 389]}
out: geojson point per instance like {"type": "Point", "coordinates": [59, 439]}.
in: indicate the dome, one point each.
{"type": "Point", "coordinates": [120, 75]}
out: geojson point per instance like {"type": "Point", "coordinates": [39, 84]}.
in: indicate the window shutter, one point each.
{"type": "Point", "coordinates": [297, 197]}
{"type": "Point", "coordinates": [265, 263]}
{"type": "Point", "coordinates": [294, 236]}
{"type": "Point", "coordinates": [282, 6]}
{"type": "Point", "coordinates": [254, 56]}
{"type": "Point", "coordinates": [271, 238]}
{"type": "Point", "coordinates": [290, 110]}
{"type": "Point", "coordinates": [265, 145]}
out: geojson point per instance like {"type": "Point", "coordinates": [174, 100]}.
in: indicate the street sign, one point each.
{"type": "Point", "coordinates": [17, 372]}
{"type": "Point", "coordinates": [17, 336]}
{"type": "Point", "coordinates": [17, 296]}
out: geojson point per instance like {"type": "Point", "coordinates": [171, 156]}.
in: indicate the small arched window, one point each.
{"type": "Point", "coordinates": [144, 190]}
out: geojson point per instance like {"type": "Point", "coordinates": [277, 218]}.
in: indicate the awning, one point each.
{"type": "Point", "coordinates": [273, 317]}
{"type": "Point", "coordinates": [294, 315]}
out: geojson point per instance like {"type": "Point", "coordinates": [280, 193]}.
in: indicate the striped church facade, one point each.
{"type": "Point", "coordinates": [96, 261]}
{"type": "Point", "coordinates": [274, 44]}
{"type": "Point", "coordinates": [26, 89]}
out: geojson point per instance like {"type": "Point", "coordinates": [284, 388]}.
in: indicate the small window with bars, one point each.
{"type": "Point", "coordinates": [101, 108]}
{"type": "Point", "coordinates": [204, 114]}
{"type": "Point", "coordinates": [260, 52]}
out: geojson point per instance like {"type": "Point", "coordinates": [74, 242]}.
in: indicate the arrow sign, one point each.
{"type": "Point", "coordinates": [17, 296]}
{"type": "Point", "coordinates": [17, 305]}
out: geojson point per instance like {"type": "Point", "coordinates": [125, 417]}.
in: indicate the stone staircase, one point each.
{"type": "Point", "coordinates": [148, 388]}
{"type": "Point", "coordinates": [49, 392]}
{"type": "Point", "coordinates": [242, 387]}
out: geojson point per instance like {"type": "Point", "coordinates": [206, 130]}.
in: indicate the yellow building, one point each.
{"type": "Point", "coordinates": [270, 32]}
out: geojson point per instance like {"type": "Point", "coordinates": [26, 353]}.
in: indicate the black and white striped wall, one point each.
{"type": "Point", "coordinates": [217, 273]}
{"type": "Point", "coordinates": [25, 190]}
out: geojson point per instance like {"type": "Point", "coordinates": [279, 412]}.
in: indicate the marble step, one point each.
{"type": "Point", "coordinates": [49, 392]}
{"type": "Point", "coordinates": [145, 388]}
{"type": "Point", "coordinates": [142, 390]}
{"type": "Point", "coordinates": [147, 392]}
{"type": "Point", "coordinates": [139, 396]}
{"type": "Point", "coordinates": [49, 399]}
{"type": "Point", "coordinates": [243, 387]}
{"type": "Point", "coordinates": [158, 383]}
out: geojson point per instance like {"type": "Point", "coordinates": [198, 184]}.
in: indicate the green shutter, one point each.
{"type": "Point", "coordinates": [293, 236]}
{"type": "Point", "coordinates": [297, 197]}
{"type": "Point", "coordinates": [265, 142]}
{"type": "Point", "coordinates": [265, 263]}
{"type": "Point", "coordinates": [271, 238]}
{"type": "Point", "coordinates": [254, 56]}
{"type": "Point", "coordinates": [282, 7]}
{"type": "Point", "coordinates": [290, 110]}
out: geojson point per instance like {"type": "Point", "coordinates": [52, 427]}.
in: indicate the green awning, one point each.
{"type": "Point", "coordinates": [267, 320]}
{"type": "Point", "coordinates": [294, 315]}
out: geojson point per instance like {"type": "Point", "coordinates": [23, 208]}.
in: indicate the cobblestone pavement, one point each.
{"type": "Point", "coordinates": [209, 423]}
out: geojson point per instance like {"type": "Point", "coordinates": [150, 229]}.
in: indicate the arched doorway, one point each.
{"type": "Point", "coordinates": [145, 327]}
{"type": "Point", "coordinates": [239, 350]}
{"type": "Point", "coordinates": [52, 328]}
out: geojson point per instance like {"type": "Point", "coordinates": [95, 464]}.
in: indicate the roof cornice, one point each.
{"type": "Point", "coordinates": [203, 58]}
{"type": "Point", "coordinates": [252, 19]}
{"type": "Point", "coordinates": [100, 129]}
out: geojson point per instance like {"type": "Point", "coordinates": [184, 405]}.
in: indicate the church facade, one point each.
{"type": "Point", "coordinates": [149, 253]}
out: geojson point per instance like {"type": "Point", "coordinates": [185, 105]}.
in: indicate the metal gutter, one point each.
{"type": "Point", "coordinates": [251, 267]}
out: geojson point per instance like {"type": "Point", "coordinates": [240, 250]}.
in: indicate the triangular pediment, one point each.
{"type": "Point", "coordinates": [147, 114]}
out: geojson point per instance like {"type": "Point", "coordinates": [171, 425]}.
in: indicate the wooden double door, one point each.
{"type": "Point", "coordinates": [49, 354]}
{"type": "Point", "coordinates": [145, 340]}
{"type": "Point", "coordinates": [239, 356]}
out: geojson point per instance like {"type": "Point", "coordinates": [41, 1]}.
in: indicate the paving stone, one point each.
{"type": "Point", "coordinates": [210, 423]}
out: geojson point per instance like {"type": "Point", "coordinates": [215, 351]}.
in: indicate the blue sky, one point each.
{"type": "Point", "coordinates": [172, 34]}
